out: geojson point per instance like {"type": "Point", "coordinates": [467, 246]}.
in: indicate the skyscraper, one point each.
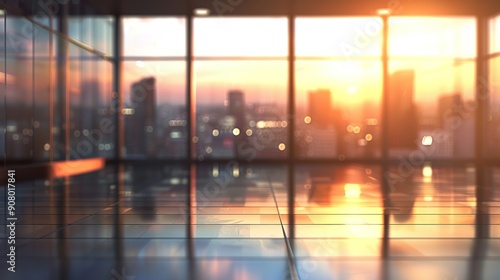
{"type": "Point", "coordinates": [320, 109]}
{"type": "Point", "coordinates": [449, 107]}
{"type": "Point", "coordinates": [236, 109]}
{"type": "Point", "coordinates": [402, 115]}
{"type": "Point", "coordinates": [460, 128]}
{"type": "Point", "coordinates": [322, 135]}
{"type": "Point", "coordinates": [140, 131]}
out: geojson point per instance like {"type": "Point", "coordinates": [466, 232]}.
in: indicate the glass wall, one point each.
{"type": "Point", "coordinates": [40, 69]}
{"type": "Point", "coordinates": [154, 87]}
{"type": "Point", "coordinates": [432, 86]}
{"type": "Point", "coordinates": [240, 87]}
{"type": "Point", "coordinates": [91, 115]}
{"type": "Point", "coordinates": [19, 87]}
{"type": "Point", "coordinates": [41, 95]}
{"type": "Point", "coordinates": [493, 86]}
{"type": "Point", "coordinates": [338, 87]}
{"type": "Point", "coordinates": [2, 87]}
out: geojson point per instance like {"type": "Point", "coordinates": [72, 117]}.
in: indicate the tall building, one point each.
{"type": "Point", "coordinates": [461, 128]}
{"type": "Point", "coordinates": [449, 106]}
{"type": "Point", "coordinates": [236, 109]}
{"type": "Point", "coordinates": [319, 108]}
{"type": "Point", "coordinates": [402, 116]}
{"type": "Point", "coordinates": [141, 125]}
{"type": "Point", "coordinates": [322, 136]}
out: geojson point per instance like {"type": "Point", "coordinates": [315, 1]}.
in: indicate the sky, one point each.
{"type": "Point", "coordinates": [341, 54]}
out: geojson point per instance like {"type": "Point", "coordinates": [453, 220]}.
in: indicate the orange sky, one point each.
{"type": "Point", "coordinates": [353, 45]}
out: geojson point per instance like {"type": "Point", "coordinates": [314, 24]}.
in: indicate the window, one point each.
{"type": "Point", "coordinates": [240, 88]}
{"type": "Point", "coordinates": [338, 87]}
{"type": "Point", "coordinates": [493, 86]}
{"type": "Point", "coordinates": [154, 86]}
{"type": "Point", "coordinates": [432, 86]}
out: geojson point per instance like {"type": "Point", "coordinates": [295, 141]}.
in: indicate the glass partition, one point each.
{"type": "Point", "coordinates": [19, 87]}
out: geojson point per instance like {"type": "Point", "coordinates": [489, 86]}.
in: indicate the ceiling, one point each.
{"type": "Point", "coordinates": [298, 7]}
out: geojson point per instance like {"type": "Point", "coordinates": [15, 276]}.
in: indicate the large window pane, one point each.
{"type": "Point", "coordinates": [91, 117]}
{"type": "Point", "coordinates": [431, 87]}
{"type": "Point", "coordinates": [94, 31]}
{"type": "Point", "coordinates": [158, 36]}
{"type": "Point", "coordinates": [19, 88]}
{"type": "Point", "coordinates": [42, 87]}
{"type": "Point", "coordinates": [494, 37]}
{"type": "Point", "coordinates": [493, 86]}
{"type": "Point", "coordinates": [338, 108]}
{"type": "Point", "coordinates": [3, 75]}
{"type": "Point", "coordinates": [240, 37]}
{"type": "Point", "coordinates": [432, 36]}
{"type": "Point", "coordinates": [241, 109]}
{"type": "Point", "coordinates": [494, 116]}
{"type": "Point", "coordinates": [339, 37]}
{"type": "Point", "coordinates": [155, 88]}
{"type": "Point", "coordinates": [240, 104]}
{"type": "Point", "coordinates": [155, 108]}
{"type": "Point", "coordinates": [338, 87]}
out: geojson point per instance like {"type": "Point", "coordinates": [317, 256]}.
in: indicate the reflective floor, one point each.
{"type": "Point", "coordinates": [229, 221]}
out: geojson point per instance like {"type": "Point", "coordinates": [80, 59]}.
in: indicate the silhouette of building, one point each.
{"type": "Point", "coordinates": [459, 126]}
{"type": "Point", "coordinates": [140, 124]}
{"type": "Point", "coordinates": [319, 108]}
{"type": "Point", "coordinates": [449, 106]}
{"type": "Point", "coordinates": [322, 135]}
{"type": "Point", "coordinates": [236, 109]}
{"type": "Point", "coordinates": [402, 117]}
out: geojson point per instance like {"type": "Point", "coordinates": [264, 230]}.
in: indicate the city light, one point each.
{"type": "Point", "coordinates": [128, 111]}
{"type": "Point", "coordinates": [427, 140]}
{"type": "Point", "coordinates": [175, 135]}
{"type": "Point", "coordinates": [236, 131]}
{"type": "Point", "coordinates": [281, 147]}
{"type": "Point", "coordinates": [307, 120]}
{"type": "Point", "coordinates": [11, 128]}
{"type": "Point", "coordinates": [215, 171]}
